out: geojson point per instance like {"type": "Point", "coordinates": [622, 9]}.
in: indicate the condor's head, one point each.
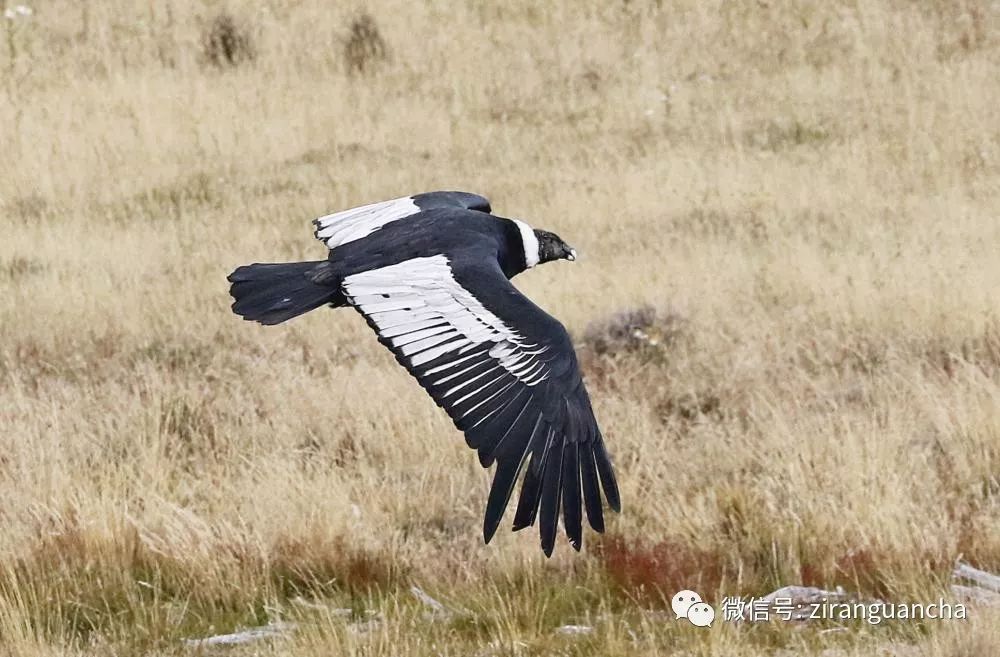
{"type": "Point", "coordinates": [552, 247]}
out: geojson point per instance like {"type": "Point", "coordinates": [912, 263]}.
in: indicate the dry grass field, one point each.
{"type": "Point", "coordinates": [806, 194]}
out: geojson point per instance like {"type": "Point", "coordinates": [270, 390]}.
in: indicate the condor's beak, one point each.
{"type": "Point", "coordinates": [571, 256]}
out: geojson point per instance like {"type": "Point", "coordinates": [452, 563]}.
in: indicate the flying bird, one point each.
{"type": "Point", "coordinates": [431, 275]}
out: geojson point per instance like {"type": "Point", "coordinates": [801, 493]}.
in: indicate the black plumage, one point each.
{"type": "Point", "coordinates": [430, 274]}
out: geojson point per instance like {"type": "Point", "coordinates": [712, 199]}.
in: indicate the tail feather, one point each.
{"type": "Point", "coordinates": [274, 293]}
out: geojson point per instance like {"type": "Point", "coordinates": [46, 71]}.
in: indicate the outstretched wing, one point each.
{"type": "Point", "coordinates": [349, 225]}
{"type": "Point", "coordinates": [506, 373]}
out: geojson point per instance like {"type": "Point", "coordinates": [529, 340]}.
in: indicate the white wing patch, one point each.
{"type": "Point", "coordinates": [349, 225]}
{"type": "Point", "coordinates": [424, 314]}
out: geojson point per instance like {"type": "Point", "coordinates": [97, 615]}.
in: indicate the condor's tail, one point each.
{"type": "Point", "coordinates": [274, 293]}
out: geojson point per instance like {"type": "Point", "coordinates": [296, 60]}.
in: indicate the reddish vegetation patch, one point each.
{"type": "Point", "coordinates": [813, 574]}
{"type": "Point", "coordinates": [856, 570]}
{"type": "Point", "coordinates": [861, 569]}
{"type": "Point", "coordinates": [871, 572]}
{"type": "Point", "coordinates": [299, 565]}
{"type": "Point", "coordinates": [653, 573]}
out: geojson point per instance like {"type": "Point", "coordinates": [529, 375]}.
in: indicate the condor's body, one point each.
{"type": "Point", "coordinates": [430, 275]}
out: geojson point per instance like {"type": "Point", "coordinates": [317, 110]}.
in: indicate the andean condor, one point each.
{"type": "Point", "coordinates": [430, 274]}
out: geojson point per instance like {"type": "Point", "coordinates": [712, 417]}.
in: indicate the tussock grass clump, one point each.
{"type": "Point", "coordinates": [27, 207]}
{"type": "Point", "coordinates": [20, 267]}
{"type": "Point", "coordinates": [776, 135]}
{"type": "Point", "coordinates": [639, 329]}
{"type": "Point", "coordinates": [365, 48]}
{"type": "Point", "coordinates": [147, 587]}
{"type": "Point", "coordinates": [226, 42]}
{"type": "Point", "coordinates": [75, 583]}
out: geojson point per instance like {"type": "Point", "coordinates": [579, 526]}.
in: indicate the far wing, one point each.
{"type": "Point", "coordinates": [506, 373]}
{"type": "Point", "coordinates": [349, 225]}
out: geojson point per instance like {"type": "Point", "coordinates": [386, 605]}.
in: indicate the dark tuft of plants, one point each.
{"type": "Point", "coordinates": [227, 43]}
{"type": "Point", "coordinates": [364, 48]}
{"type": "Point", "coordinates": [633, 330]}
{"type": "Point", "coordinates": [20, 267]}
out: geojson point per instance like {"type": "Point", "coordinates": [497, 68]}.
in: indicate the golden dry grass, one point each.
{"type": "Point", "coordinates": [808, 192]}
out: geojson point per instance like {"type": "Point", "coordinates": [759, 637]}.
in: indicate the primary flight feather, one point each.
{"type": "Point", "coordinates": [431, 274]}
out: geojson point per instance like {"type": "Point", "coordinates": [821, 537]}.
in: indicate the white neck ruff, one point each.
{"type": "Point", "coordinates": [530, 243]}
